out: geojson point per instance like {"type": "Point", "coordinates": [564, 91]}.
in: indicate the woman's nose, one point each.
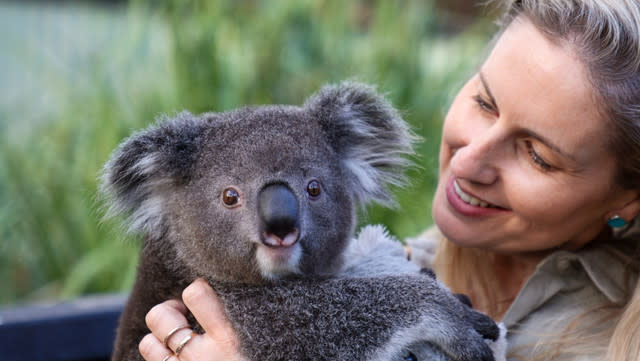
{"type": "Point", "coordinates": [477, 160]}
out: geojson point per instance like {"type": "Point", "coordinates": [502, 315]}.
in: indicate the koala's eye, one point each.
{"type": "Point", "coordinates": [313, 188]}
{"type": "Point", "coordinates": [230, 197]}
{"type": "Point", "coordinates": [409, 356]}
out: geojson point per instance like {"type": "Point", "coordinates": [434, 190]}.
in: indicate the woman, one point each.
{"type": "Point", "coordinates": [538, 191]}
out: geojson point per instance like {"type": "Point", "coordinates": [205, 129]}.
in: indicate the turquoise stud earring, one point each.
{"type": "Point", "coordinates": [616, 222]}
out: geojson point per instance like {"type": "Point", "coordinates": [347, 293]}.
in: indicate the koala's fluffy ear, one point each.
{"type": "Point", "coordinates": [369, 136]}
{"type": "Point", "coordinates": [145, 166]}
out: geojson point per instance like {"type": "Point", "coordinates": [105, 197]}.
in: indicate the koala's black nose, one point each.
{"type": "Point", "coordinates": [278, 212]}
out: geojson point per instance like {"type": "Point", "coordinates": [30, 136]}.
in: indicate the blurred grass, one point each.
{"type": "Point", "coordinates": [77, 80]}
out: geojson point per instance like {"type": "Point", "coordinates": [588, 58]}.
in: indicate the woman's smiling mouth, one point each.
{"type": "Point", "coordinates": [465, 204]}
{"type": "Point", "coordinates": [469, 199]}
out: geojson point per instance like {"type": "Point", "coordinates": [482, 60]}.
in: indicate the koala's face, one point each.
{"type": "Point", "coordinates": [264, 192]}
{"type": "Point", "coordinates": [263, 201]}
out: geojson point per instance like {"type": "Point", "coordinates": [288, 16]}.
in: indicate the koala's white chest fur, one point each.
{"type": "Point", "coordinates": [278, 262]}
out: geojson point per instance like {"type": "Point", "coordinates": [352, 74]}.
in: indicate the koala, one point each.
{"type": "Point", "coordinates": [261, 201]}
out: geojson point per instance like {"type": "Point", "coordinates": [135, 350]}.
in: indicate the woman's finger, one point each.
{"type": "Point", "coordinates": [171, 332]}
{"type": "Point", "coordinates": [152, 349]}
{"type": "Point", "coordinates": [198, 348]}
{"type": "Point", "coordinates": [207, 308]}
{"type": "Point", "coordinates": [168, 323]}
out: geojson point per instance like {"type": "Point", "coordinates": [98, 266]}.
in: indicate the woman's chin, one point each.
{"type": "Point", "coordinates": [456, 231]}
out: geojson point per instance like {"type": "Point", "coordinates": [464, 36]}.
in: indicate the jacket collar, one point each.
{"type": "Point", "coordinates": [610, 274]}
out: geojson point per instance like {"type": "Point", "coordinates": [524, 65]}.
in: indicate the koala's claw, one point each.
{"type": "Point", "coordinates": [464, 299]}
{"type": "Point", "coordinates": [482, 323]}
{"type": "Point", "coordinates": [475, 349]}
{"type": "Point", "coordinates": [472, 344]}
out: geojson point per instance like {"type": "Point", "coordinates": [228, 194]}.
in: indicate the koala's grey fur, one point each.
{"type": "Point", "coordinates": [374, 318]}
{"type": "Point", "coordinates": [169, 180]}
{"type": "Point", "coordinates": [378, 308]}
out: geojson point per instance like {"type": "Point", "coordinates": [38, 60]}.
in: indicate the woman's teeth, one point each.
{"type": "Point", "coordinates": [470, 199]}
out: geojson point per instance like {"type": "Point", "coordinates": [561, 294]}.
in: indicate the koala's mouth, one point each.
{"type": "Point", "coordinates": [280, 240]}
{"type": "Point", "coordinates": [279, 257]}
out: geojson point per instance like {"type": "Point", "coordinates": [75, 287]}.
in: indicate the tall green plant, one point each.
{"type": "Point", "coordinates": [54, 243]}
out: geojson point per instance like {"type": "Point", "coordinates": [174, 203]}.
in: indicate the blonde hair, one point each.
{"type": "Point", "coordinates": [605, 34]}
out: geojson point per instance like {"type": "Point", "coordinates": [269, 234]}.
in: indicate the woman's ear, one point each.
{"type": "Point", "coordinates": [630, 207]}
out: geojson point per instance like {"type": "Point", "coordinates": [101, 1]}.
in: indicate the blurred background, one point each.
{"type": "Point", "coordinates": [77, 77]}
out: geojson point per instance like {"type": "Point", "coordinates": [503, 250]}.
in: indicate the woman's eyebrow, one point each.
{"type": "Point", "coordinates": [483, 80]}
{"type": "Point", "coordinates": [529, 132]}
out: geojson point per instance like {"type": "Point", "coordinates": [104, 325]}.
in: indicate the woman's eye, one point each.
{"type": "Point", "coordinates": [230, 197]}
{"type": "Point", "coordinates": [483, 104]}
{"type": "Point", "coordinates": [313, 188]}
{"type": "Point", "coordinates": [536, 158]}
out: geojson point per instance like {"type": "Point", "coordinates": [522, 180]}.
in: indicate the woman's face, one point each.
{"type": "Point", "coordinates": [523, 161]}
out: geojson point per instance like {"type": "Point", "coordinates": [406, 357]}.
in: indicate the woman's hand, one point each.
{"type": "Point", "coordinates": [171, 339]}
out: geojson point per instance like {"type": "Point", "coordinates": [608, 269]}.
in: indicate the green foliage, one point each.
{"type": "Point", "coordinates": [114, 70]}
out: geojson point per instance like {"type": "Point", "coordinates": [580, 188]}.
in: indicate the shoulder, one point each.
{"type": "Point", "coordinates": [605, 270]}
{"type": "Point", "coordinates": [581, 292]}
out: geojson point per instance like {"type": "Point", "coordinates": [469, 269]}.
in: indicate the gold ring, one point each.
{"type": "Point", "coordinates": [166, 358]}
{"type": "Point", "coordinates": [166, 338]}
{"type": "Point", "coordinates": [184, 342]}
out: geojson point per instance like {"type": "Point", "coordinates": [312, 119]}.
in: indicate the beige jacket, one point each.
{"type": "Point", "coordinates": [564, 286]}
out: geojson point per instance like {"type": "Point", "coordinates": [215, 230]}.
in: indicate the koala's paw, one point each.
{"type": "Point", "coordinates": [482, 323]}
{"type": "Point", "coordinates": [481, 340]}
{"type": "Point", "coordinates": [485, 340]}
{"type": "Point", "coordinates": [470, 346]}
